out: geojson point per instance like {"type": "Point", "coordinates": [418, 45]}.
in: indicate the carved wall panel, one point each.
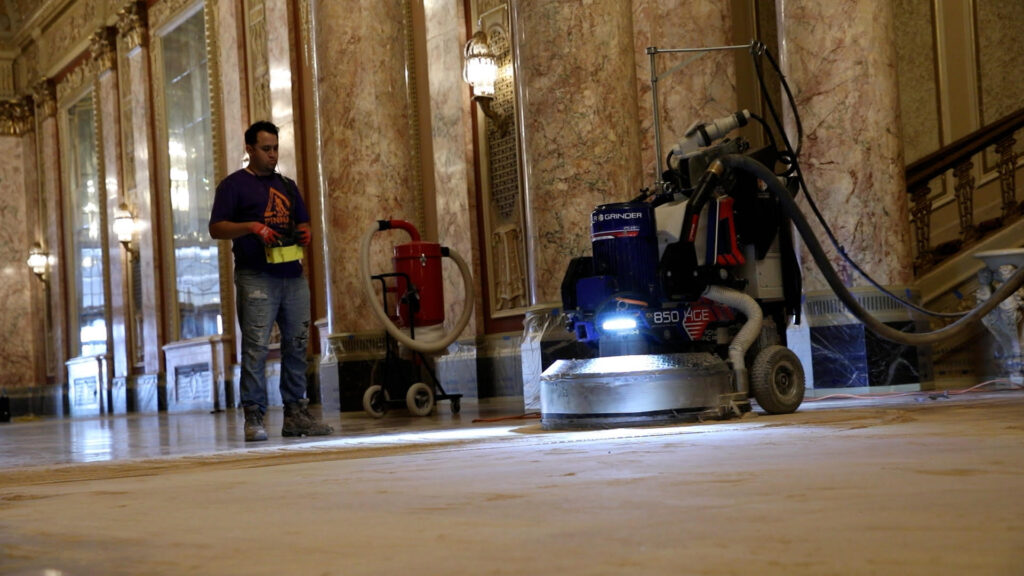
{"type": "Point", "coordinates": [259, 68]}
{"type": "Point", "coordinates": [505, 244]}
{"type": "Point", "coordinates": [71, 29]}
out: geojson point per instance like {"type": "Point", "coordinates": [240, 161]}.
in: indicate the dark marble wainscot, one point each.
{"type": "Point", "coordinates": [850, 356]}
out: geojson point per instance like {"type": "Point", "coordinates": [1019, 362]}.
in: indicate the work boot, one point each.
{"type": "Point", "coordinates": [254, 430]}
{"type": "Point", "coordinates": [299, 422]}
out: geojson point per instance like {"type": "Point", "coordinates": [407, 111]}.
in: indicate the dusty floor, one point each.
{"type": "Point", "coordinates": [908, 485]}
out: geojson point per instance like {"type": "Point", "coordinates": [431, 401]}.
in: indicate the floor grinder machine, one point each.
{"type": "Point", "coordinates": [687, 285]}
{"type": "Point", "coordinates": [685, 288]}
{"type": "Point", "coordinates": [690, 283]}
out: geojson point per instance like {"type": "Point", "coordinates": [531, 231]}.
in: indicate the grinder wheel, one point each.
{"type": "Point", "coordinates": [777, 380]}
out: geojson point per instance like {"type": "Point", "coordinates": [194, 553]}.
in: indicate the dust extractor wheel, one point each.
{"type": "Point", "coordinates": [374, 402]}
{"type": "Point", "coordinates": [777, 380]}
{"type": "Point", "coordinates": [419, 399]}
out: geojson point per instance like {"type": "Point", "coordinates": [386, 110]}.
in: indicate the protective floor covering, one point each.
{"type": "Point", "coordinates": [911, 485]}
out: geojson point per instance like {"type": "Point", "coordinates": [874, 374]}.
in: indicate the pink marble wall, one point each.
{"type": "Point", "coordinates": [364, 145]}
{"type": "Point", "coordinates": [840, 60]}
{"type": "Point", "coordinates": [702, 90]}
{"type": "Point", "coordinates": [999, 51]}
{"type": "Point", "coordinates": [578, 99]}
{"type": "Point", "coordinates": [17, 353]}
{"type": "Point", "coordinates": [233, 91]}
{"type": "Point", "coordinates": [919, 97]}
{"type": "Point", "coordinates": [451, 129]}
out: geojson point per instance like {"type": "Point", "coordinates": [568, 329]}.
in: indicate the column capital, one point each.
{"type": "Point", "coordinates": [44, 96]}
{"type": "Point", "coordinates": [15, 117]}
{"type": "Point", "coordinates": [103, 48]}
{"type": "Point", "coordinates": [132, 25]}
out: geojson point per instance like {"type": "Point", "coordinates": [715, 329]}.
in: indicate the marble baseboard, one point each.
{"type": "Point", "coordinates": [124, 395]}
{"type": "Point", "coordinates": [489, 368]}
{"type": "Point", "coordinates": [232, 394]}
{"type": "Point", "coordinates": [143, 393]}
{"type": "Point", "coordinates": [849, 356]}
{"type": "Point", "coordinates": [344, 391]}
{"type": "Point", "coordinates": [31, 401]}
{"type": "Point", "coordinates": [499, 368]}
{"type": "Point", "coordinates": [354, 378]}
{"type": "Point", "coordinates": [117, 397]}
{"type": "Point", "coordinates": [190, 388]}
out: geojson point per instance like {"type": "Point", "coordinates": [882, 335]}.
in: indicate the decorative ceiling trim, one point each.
{"type": "Point", "coordinates": [40, 19]}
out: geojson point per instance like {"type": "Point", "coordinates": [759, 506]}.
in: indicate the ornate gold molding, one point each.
{"type": "Point", "coordinates": [70, 28]}
{"type": "Point", "coordinates": [132, 25]}
{"type": "Point", "coordinates": [74, 80]}
{"type": "Point", "coordinates": [306, 25]}
{"type": "Point", "coordinates": [415, 150]}
{"type": "Point", "coordinates": [103, 48]}
{"type": "Point", "coordinates": [44, 96]}
{"type": "Point", "coordinates": [15, 117]}
{"type": "Point", "coordinates": [216, 95]}
{"type": "Point", "coordinates": [161, 12]}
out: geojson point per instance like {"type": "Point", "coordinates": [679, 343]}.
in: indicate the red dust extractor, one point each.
{"type": "Point", "coordinates": [416, 291]}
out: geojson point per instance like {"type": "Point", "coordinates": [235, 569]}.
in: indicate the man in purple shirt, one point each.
{"type": "Point", "coordinates": [262, 213]}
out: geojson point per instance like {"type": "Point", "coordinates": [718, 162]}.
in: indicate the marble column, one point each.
{"type": "Point", "coordinates": [17, 317]}
{"type": "Point", "coordinates": [450, 122]}
{"type": "Point", "coordinates": [40, 321]}
{"type": "Point", "coordinates": [840, 61]}
{"type": "Point", "coordinates": [141, 195]}
{"type": "Point", "coordinates": [367, 157]}
{"type": "Point", "coordinates": [103, 50]}
{"type": "Point", "coordinates": [578, 106]}
{"type": "Point", "coordinates": [701, 90]}
{"type": "Point", "coordinates": [48, 150]}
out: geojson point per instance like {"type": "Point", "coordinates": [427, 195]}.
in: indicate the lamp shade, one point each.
{"type": "Point", "coordinates": [124, 224]}
{"type": "Point", "coordinates": [480, 67]}
{"type": "Point", "coordinates": [38, 260]}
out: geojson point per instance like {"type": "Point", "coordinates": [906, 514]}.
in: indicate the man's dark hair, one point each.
{"type": "Point", "coordinates": [256, 128]}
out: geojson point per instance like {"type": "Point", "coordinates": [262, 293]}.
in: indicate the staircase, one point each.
{"type": "Point", "coordinates": [964, 201]}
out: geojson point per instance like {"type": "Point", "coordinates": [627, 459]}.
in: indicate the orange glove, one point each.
{"type": "Point", "coordinates": [266, 233]}
{"type": "Point", "coordinates": [304, 236]}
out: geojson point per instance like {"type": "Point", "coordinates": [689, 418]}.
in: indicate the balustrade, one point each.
{"type": "Point", "coordinates": [928, 192]}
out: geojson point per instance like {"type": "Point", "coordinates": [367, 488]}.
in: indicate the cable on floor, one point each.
{"type": "Point", "coordinates": [527, 416]}
{"type": "Point", "coordinates": [932, 393]}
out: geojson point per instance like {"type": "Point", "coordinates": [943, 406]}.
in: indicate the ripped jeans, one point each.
{"type": "Point", "coordinates": [263, 300]}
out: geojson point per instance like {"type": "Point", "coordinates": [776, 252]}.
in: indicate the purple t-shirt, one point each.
{"type": "Point", "coordinates": [273, 200]}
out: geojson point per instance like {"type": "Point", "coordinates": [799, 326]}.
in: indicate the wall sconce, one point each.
{"type": "Point", "coordinates": [38, 261]}
{"type": "Point", "coordinates": [124, 229]}
{"type": "Point", "coordinates": [480, 70]}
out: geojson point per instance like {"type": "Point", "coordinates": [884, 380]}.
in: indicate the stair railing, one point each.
{"type": "Point", "coordinates": [958, 158]}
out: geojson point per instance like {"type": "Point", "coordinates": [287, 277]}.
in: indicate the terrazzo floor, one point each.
{"type": "Point", "coordinates": [925, 483]}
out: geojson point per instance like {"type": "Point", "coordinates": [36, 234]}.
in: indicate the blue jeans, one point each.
{"type": "Point", "coordinates": [263, 300]}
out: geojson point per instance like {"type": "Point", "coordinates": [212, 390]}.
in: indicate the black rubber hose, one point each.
{"type": "Point", "coordinates": [760, 171]}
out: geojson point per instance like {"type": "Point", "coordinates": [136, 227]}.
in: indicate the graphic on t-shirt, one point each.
{"type": "Point", "coordinates": [279, 209]}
